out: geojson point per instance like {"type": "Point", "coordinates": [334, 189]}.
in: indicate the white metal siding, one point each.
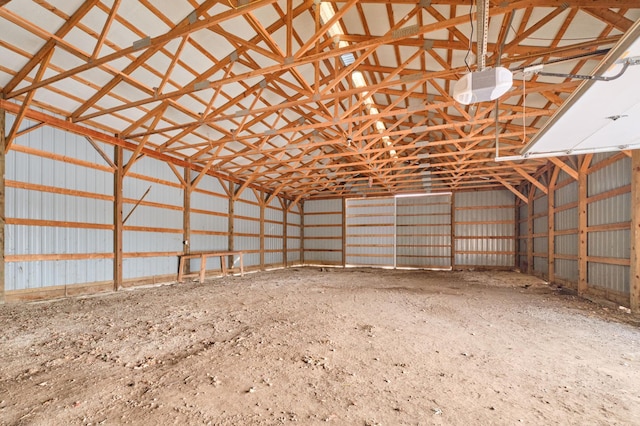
{"type": "Point", "coordinates": [370, 231]}
{"type": "Point", "coordinates": [484, 228]}
{"type": "Point", "coordinates": [323, 232]}
{"type": "Point", "coordinates": [423, 231]}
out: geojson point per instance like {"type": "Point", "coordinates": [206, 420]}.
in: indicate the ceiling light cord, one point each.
{"type": "Point", "coordinates": [466, 57]}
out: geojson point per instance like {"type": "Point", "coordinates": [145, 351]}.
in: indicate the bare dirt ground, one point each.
{"type": "Point", "coordinates": [346, 347]}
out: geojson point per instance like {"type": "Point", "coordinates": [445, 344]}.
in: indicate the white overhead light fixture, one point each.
{"type": "Point", "coordinates": [484, 84]}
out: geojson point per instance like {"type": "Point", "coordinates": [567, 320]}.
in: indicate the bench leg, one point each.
{"type": "Point", "coordinates": [181, 269]}
{"type": "Point", "coordinates": [203, 267]}
{"type": "Point", "coordinates": [223, 265]}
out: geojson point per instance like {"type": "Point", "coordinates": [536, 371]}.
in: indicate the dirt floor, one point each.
{"type": "Point", "coordinates": [346, 347]}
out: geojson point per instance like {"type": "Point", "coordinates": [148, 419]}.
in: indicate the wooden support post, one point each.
{"type": "Point", "coordinates": [634, 279]}
{"type": "Point", "coordinates": [2, 202]}
{"type": "Point", "coordinates": [452, 243]}
{"type": "Point", "coordinates": [551, 222]}
{"type": "Point", "coordinates": [301, 210]}
{"type": "Point", "coordinates": [532, 191]}
{"type": "Point", "coordinates": [118, 177]}
{"type": "Point", "coordinates": [344, 232]}
{"type": "Point", "coordinates": [582, 225]}
{"type": "Point", "coordinates": [230, 227]}
{"type": "Point", "coordinates": [516, 233]}
{"type": "Point", "coordinates": [285, 225]}
{"type": "Point", "coordinates": [262, 210]}
{"type": "Point", "coordinates": [186, 218]}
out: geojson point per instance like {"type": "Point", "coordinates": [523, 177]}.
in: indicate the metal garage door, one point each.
{"type": "Point", "coordinates": [399, 232]}
{"type": "Point", "coordinates": [370, 232]}
{"type": "Point", "coordinates": [423, 231]}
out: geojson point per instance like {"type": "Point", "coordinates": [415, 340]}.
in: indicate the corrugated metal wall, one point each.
{"type": "Point", "coordinates": [484, 228]}
{"type": "Point", "coordinates": [294, 228]}
{"type": "Point", "coordinates": [614, 209]}
{"type": "Point", "coordinates": [246, 225]}
{"type": "Point", "coordinates": [523, 231]}
{"type": "Point", "coordinates": [423, 231]}
{"type": "Point", "coordinates": [209, 221]}
{"type": "Point", "coordinates": [153, 233]}
{"type": "Point", "coordinates": [540, 232]}
{"type": "Point", "coordinates": [370, 231]}
{"type": "Point", "coordinates": [68, 205]}
{"type": "Point", "coordinates": [273, 234]}
{"type": "Point", "coordinates": [323, 232]}
{"type": "Point", "coordinates": [566, 228]}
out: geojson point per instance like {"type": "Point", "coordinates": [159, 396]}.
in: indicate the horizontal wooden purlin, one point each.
{"type": "Point", "coordinates": [132, 255]}
{"type": "Point", "coordinates": [132, 228]}
{"type": "Point", "coordinates": [57, 223]}
{"type": "Point", "coordinates": [57, 190]}
{"type": "Point", "coordinates": [112, 140]}
{"type": "Point", "coordinates": [62, 158]}
{"type": "Point", "coordinates": [56, 257]}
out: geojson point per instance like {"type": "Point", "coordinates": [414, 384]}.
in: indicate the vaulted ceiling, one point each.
{"type": "Point", "coordinates": [305, 98]}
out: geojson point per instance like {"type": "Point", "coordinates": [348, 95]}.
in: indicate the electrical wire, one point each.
{"type": "Point", "coordinates": [466, 57]}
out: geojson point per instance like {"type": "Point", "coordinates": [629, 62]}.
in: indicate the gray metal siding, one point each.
{"type": "Point", "coordinates": [323, 231]}
{"type": "Point", "coordinates": [475, 237]}
{"type": "Point", "coordinates": [247, 228]}
{"type": "Point", "coordinates": [370, 231]}
{"type": "Point", "coordinates": [423, 231]}
{"type": "Point", "coordinates": [64, 239]}
{"type": "Point", "coordinates": [611, 210]}
{"type": "Point", "coordinates": [293, 235]}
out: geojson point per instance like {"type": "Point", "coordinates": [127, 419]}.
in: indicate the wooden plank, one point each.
{"type": "Point", "coordinates": [634, 272]}
{"type": "Point", "coordinates": [57, 223]}
{"type": "Point", "coordinates": [582, 225]}
{"type": "Point", "coordinates": [565, 167]}
{"type": "Point", "coordinates": [186, 218]}
{"type": "Point", "coordinates": [118, 179]}
{"type": "Point", "coordinates": [3, 193]}
{"type": "Point", "coordinates": [261, 197]}
{"type": "Point", "coordinates": [551, 222]}
{"type": "Point", "coordinates": [56, 257]}
{"type": "Point", "coordinates": [230, 220]}
{"type": "Point", "coordinates": [56, 190]}
{"type": "Point", "coordinates": [532, 191]}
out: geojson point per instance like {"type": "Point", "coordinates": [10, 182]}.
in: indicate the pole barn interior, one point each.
{"type": "Point", "coordinates": [247, 136]}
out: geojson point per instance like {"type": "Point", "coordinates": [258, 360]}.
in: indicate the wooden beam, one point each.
{"type": "Point", "coordinates": [118, 178]}
{"type": "Point", "coordinates": [532, 192]}
{"type": "Point", "coordinates": [261, 200]}
{"type": "Point", "coordinates": [634, 272]}
{"type": "Point", "coordinates": [582, 225]}
{"type": "Point", "coordinates": [68, 25]}
{"type": "Point", "coordinates": [3, 193]}
{"type": "Point", "coordinates": [101, 152]}
{"type": "Point", "coordinates": [565, 167]}
{"type": "Point", "coordinates": [510, 187]}
{"type": "Point", "coordinates": [26, 102]}
{"type": "Point", "coordinates": [186, 221]}
{"type": "Point", "coordinates": [531, 179]}
{"type": "Point", "coordinates": [551, 222]}
{"type": "Point", "coordinates": [230, 224]}
{"type": "Point", "coordinates": [105, 29]}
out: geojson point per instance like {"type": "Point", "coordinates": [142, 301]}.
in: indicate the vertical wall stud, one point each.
{"type": "Point", "coordinates": [532, 192]}
{"type": "Point", "coordinates": [634, 279]}
{"type": "Point", "coordinates": [2, 202]}
{"type": "Point", "coordinates": [582, 225]}
{"type": "Point", "coordinates": [301, 210]}
{"type": "Point", "coordinates": [344, 232]}
{"type": "Point", "coordinates": [186, 219]}
{"type": "Point", "coordinates": [452, 243]}
{"type": "Point", "coordinates": [230, 220]}
{"type": "Point", "coordinates": [551, 222]}
{"type": "Point", "coordinates": [263, 204]}
{"type": "Point", "coordinates": [285, 225]}
{"type": "Point", "coordinates": [117, 218]}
